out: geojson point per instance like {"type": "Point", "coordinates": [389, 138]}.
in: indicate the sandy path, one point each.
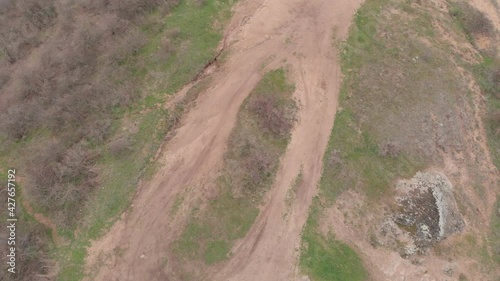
{"type": "Point", "coordinates": [297, 34]}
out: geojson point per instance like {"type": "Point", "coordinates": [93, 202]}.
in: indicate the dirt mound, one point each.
{"type": "Point", "coordinates": [426, 214]}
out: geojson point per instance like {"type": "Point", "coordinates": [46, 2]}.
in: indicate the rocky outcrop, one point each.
{"type": "Point", "coordinates": [426, 213]}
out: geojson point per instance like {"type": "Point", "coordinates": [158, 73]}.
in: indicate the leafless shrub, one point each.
{"type": "Point", "coordinates": [257, 165]}
{"type": "Point", "coordinates": [32, 258]}
{"type": "Point", "coordinates": [114, 24]}
{"type": "Point", "coordinates": [494, 122]}
{"type": "Point", "coordinates": [390, 149]}
{"type": "Point", "coordinates": [60, 177]}
{"type": "Point", "coordinates": [43, 174]}
{"type": "Point", "coordinates": [76, 163]}
{"type": "Point", "coordinates": [249, 163]}
{"type": "Point", "coordinates": [9, 49]}
{"type": "Point", "coordinates": [273, 117]}
{"type": "Point", "coordinates": [131, 8]}
{"type": "Point", "coordinates": [473, 20]}
{"type": "Point", "coordinates": [40, 15]}
{"type": "Point", "coordinates": [133, 41]}
{"type": "Point", "coordinates": [94, 6]}
{"type": "Point", "coordinates": [98, 130]}
{"type": "Point", "coordinates": [30, 85]}
{"type": "Point", "coordinates": [4, 76]}
{"type": "Point", "coordinates": [492, 77]}
{"type": "Point", "coordinates": [19, 120]}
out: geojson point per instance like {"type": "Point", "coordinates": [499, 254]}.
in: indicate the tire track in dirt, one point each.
{"type": "Point", "coordinates": [297, 34]}
{"type": "Point", "coordinates": [270, 249]}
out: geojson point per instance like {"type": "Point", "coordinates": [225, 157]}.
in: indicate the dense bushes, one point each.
{"type": "Point", "coordinates": [66, 68]}
{"type": "Point", "coordinates": [70, 87]}
{"type": "Point", "coordinates": [22, 23]}
{"type": "Point", "coordinates": [61, 178]}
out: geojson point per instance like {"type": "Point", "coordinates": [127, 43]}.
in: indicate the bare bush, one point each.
{"type": "Point", "coordinates": [19, 120]}
{"type": "Point", "coordinates": [390, 149]}
{"type": "Point", "coordinates": [133, 41]}
{"type": "Point", "coordinates": [8, 48]}
{"type": "Point", "coordinates": [250, 162]}
{"type": "Point", "coordinates": [32, 257]}
{"type": "Point", "coordinates": [473, 20]}
{"type": "Point", "coordinates": [29, 85]}
{"type": "Point", "coordinates": [20, 34]}
{"type": "Point", "coordinates": [273, 116]}
{"type": "Point", "coordinates": [494, 122]}
{"type": "Point", "coordinates": [60, 177]}
{"type": "Point", "coordinates": [257, 165]}
{"type": "Point", "coordinates": [40, 15]}
{"type": "Point", "coordinates": [98, 129]}
{"type": "Point", "coordinates": [4, 76]}
{"type": "Point", "coordinates": [492, 76]}
{"type": "Point", "coordinates": [131, 8]}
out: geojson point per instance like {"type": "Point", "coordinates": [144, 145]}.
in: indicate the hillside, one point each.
{"type": "Point", "coordinates": [251, 140]}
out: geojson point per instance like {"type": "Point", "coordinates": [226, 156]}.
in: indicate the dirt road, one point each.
{"type": "Point", "coordinates": [262, 35]}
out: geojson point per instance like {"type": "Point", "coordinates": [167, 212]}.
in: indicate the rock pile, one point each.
{"type": "Point", "coordinates": [426, 213]}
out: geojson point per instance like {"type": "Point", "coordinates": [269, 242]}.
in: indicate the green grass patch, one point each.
{"type": "Point", "coordinates": [487, 75]}
{"type": "Point", "coordinates": [495, 232]}
{"type": "Point", "coordinates": [327, 259]}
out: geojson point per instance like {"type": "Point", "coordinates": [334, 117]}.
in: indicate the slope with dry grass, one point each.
{"type": "Point", "coordinates": [81, 87]}
{"type": "Point", "coordinates": [409, 103]}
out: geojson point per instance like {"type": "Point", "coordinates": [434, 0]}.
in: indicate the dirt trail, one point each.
{"type": "Point", "coordinates": [297, 34]}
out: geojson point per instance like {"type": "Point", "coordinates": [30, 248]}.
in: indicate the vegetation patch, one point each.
{"type": "Point", "coordinates": [326, 258]}
{"type": "Point", "coordinates": [495, 232]}
{"type": "Point", "coordinates": [487, 75]}
{"type": "Point", "coordinates": [397, 113]}
{"type": "Point", "coordinates": [256, 145]}
{"type": "Point", "coordinates": [473, 21]}
{"type": "Point", "coordinates": [86, 119]}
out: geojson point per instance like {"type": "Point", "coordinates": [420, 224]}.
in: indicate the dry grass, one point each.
{"type": "Point", "coordinates": [402, 107]}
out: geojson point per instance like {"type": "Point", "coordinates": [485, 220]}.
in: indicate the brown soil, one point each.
{"type": "Point", "coordinates": [263, 35]}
